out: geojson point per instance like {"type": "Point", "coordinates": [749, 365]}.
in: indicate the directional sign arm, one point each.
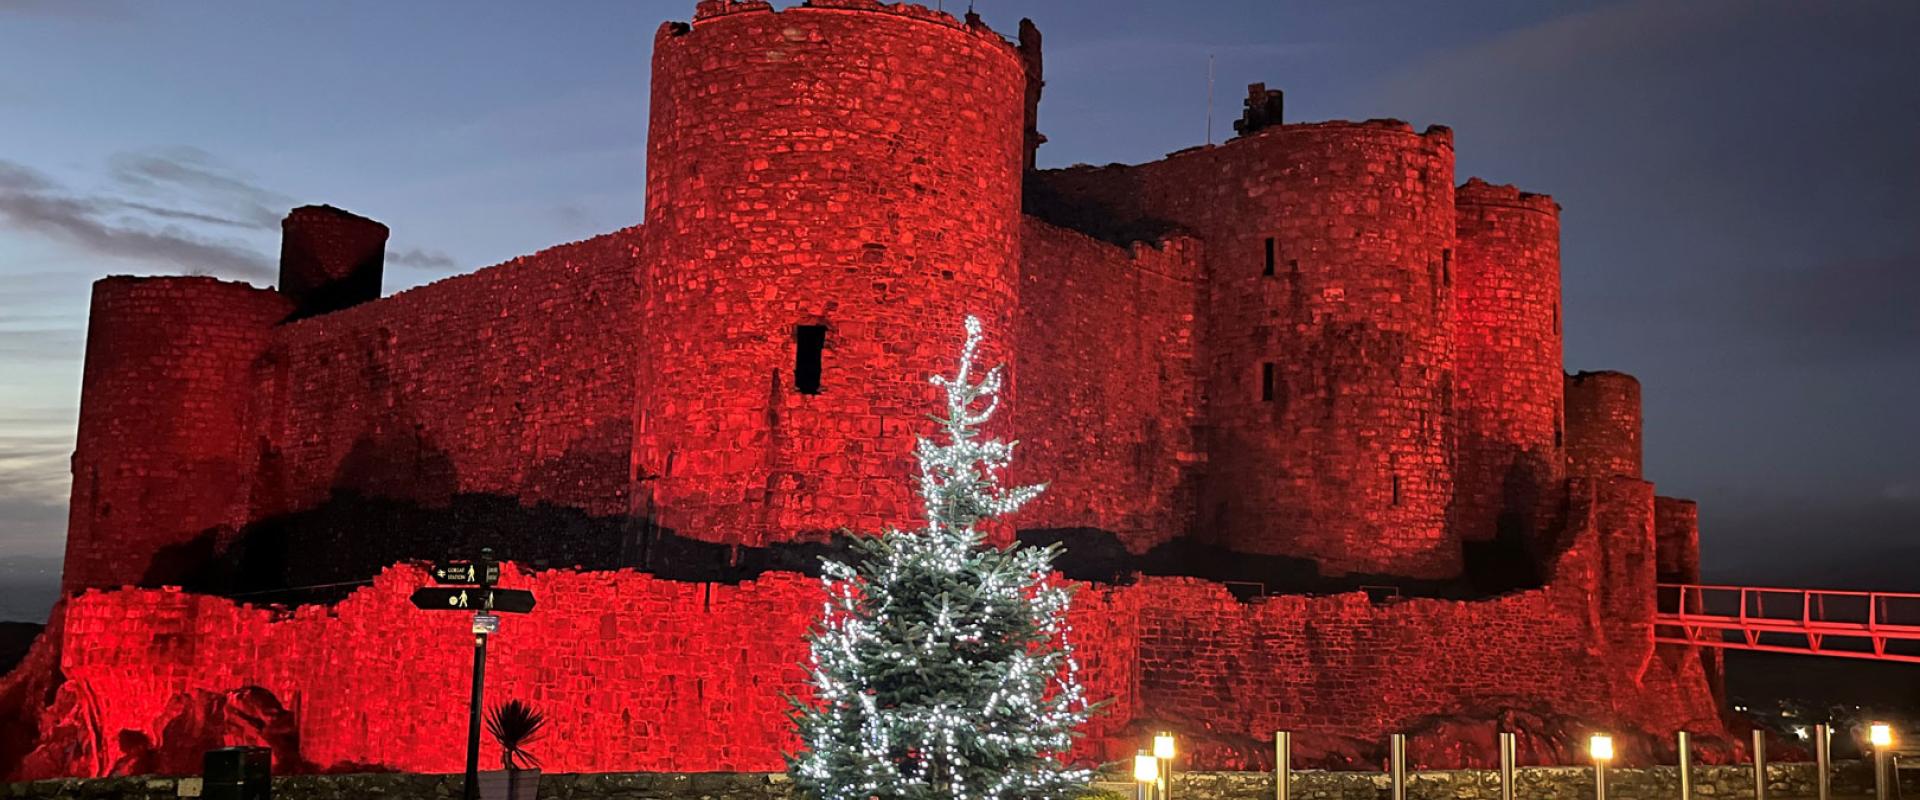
{"type": "Point", "coordinates": [459, 598]}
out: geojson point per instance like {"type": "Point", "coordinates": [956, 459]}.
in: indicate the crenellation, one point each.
{"type": "Point", "coordinates": [1303, 360]}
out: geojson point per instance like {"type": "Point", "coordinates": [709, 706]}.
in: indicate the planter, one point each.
{"type": "Point", "coordinates": [521, 784]}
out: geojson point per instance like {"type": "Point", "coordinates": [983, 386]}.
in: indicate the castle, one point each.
{"type": "Point", "coordinates": [1268, 374]}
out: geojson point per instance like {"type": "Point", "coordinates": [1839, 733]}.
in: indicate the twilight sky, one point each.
{"type": "Point", "coordinates": [1741, 184]}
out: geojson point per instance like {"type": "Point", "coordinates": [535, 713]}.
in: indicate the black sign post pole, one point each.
{"type": "Point", "coordinates": [472, 791]}
{"type": "Point", "coordinates": [476, 595]}
{"type": "Point", "coordinates": [488, 574]}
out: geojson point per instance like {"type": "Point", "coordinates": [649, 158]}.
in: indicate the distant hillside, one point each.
{"type": "Point", "coordinates": [15, 637]}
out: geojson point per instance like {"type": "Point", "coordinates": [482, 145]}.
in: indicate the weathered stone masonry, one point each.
{"type": "Point", "coordinates": [1305, 351]}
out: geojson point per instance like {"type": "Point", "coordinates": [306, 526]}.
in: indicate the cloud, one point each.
{"type": "Point", "coordinates": [421, 259]}
{"type": "Point", "coordinates": [186, 216]}
{"type": "Point", "coordinates": [35, 446]}
{"type": "Point", "coordinates": [55, 344]}
{"type": "Point", "coordinates": [192, 174]}
{"type": "Point", "coordinates": [32, 203]}
{"type": "Point", "coordinates": [193, 208]}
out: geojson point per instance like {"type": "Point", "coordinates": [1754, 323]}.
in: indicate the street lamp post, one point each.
{"type": "Point", "coordinates": [1601, 748]}
{"type": "Point", "coordinates": [1684, 742]}
{"type": "Point", "coordinates": [1397, 765]}
{"type": "Point", "coordinates": [1146, 773]}
{"type": "Point", "coordinates": [1163, 753]}
{"type": "Point", "coordinates": [1823, 761]}
{"type": "Point", "coordinates": [1509, 753]}
{"type": "Point", "coordinates": [1881, 736]}
{"type": "Point", "coordinates": [1282, 765]}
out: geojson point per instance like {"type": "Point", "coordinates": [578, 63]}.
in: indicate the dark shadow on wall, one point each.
{"type": "Point", "coordinates": [1097, 556]}
{"type": "Point", "coordinates": [396, 500]}
{"type": "Point", "coordinates": [1516, 555]}
{"type": "Point", "coordinates": [322, 554]}
{"type": "Point", "coordinates": [1103, 218]}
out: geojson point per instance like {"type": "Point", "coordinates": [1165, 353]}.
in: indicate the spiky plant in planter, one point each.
{"type": "Point", "coordinates": [515, 725]}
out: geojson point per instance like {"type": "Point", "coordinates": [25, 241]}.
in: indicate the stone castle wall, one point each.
{"type": "Point", "coordinates": [1304, 345]}
{"type": "Point", "coordinates": [640, 673]}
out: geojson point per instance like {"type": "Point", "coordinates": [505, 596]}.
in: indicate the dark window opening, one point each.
{"type": "Point", "coordinates": [1266, 382]}
{"type": "Point", "coordinates": [1556, 319]}
{"type": "Point", "coordinates": [808, 343]}
{"type": "Point", "coordinates": [1272, 257]}
{"type": "Point", "coordinates": [1396, 490]}
{"type": "Point", "coordinates": [1446, 267]}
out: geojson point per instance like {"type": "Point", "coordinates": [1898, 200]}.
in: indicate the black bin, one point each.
{"type": "Point", "coordinates": [238, 773]}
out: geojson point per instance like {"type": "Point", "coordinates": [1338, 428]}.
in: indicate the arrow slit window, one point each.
{"type": "Point", "coordinates": [809, 345]}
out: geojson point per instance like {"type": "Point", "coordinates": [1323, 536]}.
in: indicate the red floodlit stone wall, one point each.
{"type": "Point", "coordinates": [1603, 425]}
{"type": "Point", "coordinates": [515, 380]}
{"type": "Point", "coordinates": [1111, 373]}
{"type": "Point", "coordinates": [330, 259]}
{"type": "Point", "coordinates": [162, 454]}
{"type": "Point", "coordinates": [1508, 383]}
{"type": "Point", "coordinates": [1677, 535]}
{"type": "Point", "coordinates": [639, 673]}
{"type": "Point", "coordinates": [1343, 665]}
{"type": "Point", "coordinates": [1350, 337]}
{"type": "Point", "coordinates": [878, 196]}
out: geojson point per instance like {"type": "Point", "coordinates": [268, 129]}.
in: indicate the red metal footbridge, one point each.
{"type": "Point", "coordinates": [1884, 626]}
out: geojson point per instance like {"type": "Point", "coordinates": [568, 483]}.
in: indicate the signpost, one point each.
{"type": "Point", "coordinates": [472, 590]}
{"type": "Point", "coordinates": [512, 601]}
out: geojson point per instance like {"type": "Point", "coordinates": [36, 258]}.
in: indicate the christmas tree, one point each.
{"type": "Point", "coordinates": [941, 668]}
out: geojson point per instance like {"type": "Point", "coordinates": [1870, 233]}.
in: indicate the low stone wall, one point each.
{"type": "Point", "coordinates": [610, 786]}
{"type": "Point", "coordinates": [1851, 780]}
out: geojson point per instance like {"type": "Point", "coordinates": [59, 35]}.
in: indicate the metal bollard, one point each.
{"type": "Point", "coordinates": [1880, 774]}
{"type": "Point", "coordinates": [1397, 765]}
{"type": "Point", "coordinates": [1823, 761]}
{"type": "Point", "coordinates": [1508, 754]}
{"type": "Point", "coordinates": [1282, 765]}
{"type": "Point", "coordinates": [1686, 765]}
{"type": "Point", "coordinates": [1760, 765]}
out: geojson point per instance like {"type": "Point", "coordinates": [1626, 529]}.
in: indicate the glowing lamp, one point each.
{"type": "Point", "coordinates": [1601, 747]}
{"type": "Point", "coordinates": [1146, 768]}
{"type": "Point", "coordinates": [1163, 745]}
{"type": "Point", "coordinates": [1881, 734]}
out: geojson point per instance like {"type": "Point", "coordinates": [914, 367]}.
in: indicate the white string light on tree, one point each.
{"type": "Point", "coordinates": [941, 667]}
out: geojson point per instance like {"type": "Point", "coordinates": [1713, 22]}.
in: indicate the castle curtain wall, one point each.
{"type": "Point", "coordinates": [639, 673]}
{"type": "Point", "coordinates": [1110, 368]}
{"type": "Point", "coordinates": [514, 383]}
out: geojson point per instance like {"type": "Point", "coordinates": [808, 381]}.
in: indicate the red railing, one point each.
{"type": "Point", "coordinates": [1875, 625]}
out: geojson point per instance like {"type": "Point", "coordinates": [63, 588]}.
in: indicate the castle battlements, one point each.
{"type": "Point", "coordinates": [1299, 362]}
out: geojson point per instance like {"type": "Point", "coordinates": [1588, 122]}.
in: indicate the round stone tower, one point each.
{"type": "Point", "coordinates": [162, 458]}
{"type": "Point", "coordinates": [1330, 339]}
{"type": "Point", "coordinates": [1603, 425]}
{"type": "Point", "coordinates": [830, 189]}
{"type": "Point", "coordinates": [1508, 378]}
